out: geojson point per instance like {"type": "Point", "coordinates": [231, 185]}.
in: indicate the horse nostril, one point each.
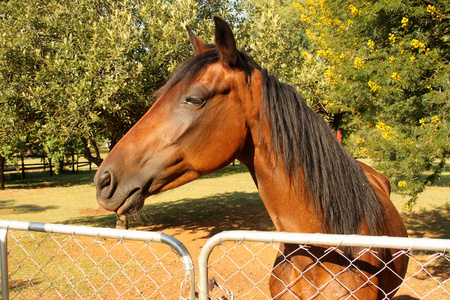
{"type": "Point", "coordinates": [105, 185]}
{"type": "Point", "coordinates": [104, 180]}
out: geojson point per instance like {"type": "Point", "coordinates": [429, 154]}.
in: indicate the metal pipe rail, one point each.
{"type": "Point", "coordinates": [335, 240]}
{"type": "Point", "coordinates": [97, 232]}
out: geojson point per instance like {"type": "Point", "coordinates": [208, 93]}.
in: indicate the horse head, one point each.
{"type": "Point", "coordinates": [195, 127]}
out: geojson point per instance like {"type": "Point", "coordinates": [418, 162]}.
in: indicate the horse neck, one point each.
{"type": "Point", "coordinates": [288, 204]}
{"type": "Point", "coordinates": [286, 200]}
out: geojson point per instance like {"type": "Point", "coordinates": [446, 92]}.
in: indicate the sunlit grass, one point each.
{"type": "Point", "coordinates": [70, 198]}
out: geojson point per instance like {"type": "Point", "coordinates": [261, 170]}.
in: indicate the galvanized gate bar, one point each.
{"type": "Point", "coordinates": [4, 263]}
{"type": "Point", "coordinates": [98, 232]}
{"type": "Point", "coordinates": [400, 243]}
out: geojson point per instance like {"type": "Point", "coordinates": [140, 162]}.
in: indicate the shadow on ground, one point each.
{"type": "Point", "coordinates": [227, 211]}
{"type": "Point", "coordinates": [429, 222]}
{"type": "Point", "coordinates": [246, 211]}
{"type": "Point", "coordinates": [36, 180]}
{"type": "Point", "coordinates": [10, 207]}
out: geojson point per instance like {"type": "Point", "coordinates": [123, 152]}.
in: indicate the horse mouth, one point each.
{"type": "Point", "coordinates": [132, 204]}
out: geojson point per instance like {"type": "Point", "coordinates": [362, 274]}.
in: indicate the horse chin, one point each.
{"type": "Point", "coordinates": [132, 204]}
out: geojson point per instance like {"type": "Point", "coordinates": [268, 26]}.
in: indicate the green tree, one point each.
{"type": "Point", "coordinates": [386, 68]}
{"type": "Point", "coordinates": [270, 34]}
{"type": "Point", "coordinates": [75, 73]}
{"type": "Point", "coordinates": [273, 34]}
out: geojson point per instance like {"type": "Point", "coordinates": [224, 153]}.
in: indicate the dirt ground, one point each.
{"type": "Point", "coordinates": [244, 269]}
{"type": "Point", "coordinates": [240, 269]}
{"type": "Point", "coordinates": [429, 282]}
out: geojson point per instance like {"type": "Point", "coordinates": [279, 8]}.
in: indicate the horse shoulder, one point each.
{"type": "Point", "coordinates": [376, 179]}
{"type": "Point", "coordinates": [382, 188]}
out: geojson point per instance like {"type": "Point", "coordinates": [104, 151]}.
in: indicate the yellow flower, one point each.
{"type": "Point", "coordinates": [429, 87]}
{"type": "Point", "coordinates": [416, 44]}
{"type": "Point", "coordinates": [353, 10]}
{"type": "Point", "coordinates": [362, 151]}
{"type": "Point", "coordinates": [297, 5]}
{"type": "Point", "coordinates": [395, 76]}
{"type": "Point", "coordinates": [406, 207]}
{"type": "Point", "coordinates": [391, 59]}
{"type": "Point", "coordinates": [392, 38]}
{"type": "Point", "coordinates": [306, 56]}
{"type": "Point", "coordinates": [388, 132]}
{"type": "Point", "coordinates": [305, 18]}
{"type": "Point", "coordinates": [431, 9]}
{"type": "Point", "coordinates": [358, 62]}
{"type": "Point", "coordinates": [435, 119]}
{"type": "Point", "coordinates": [350, 23]}
{"type": "Point", "coordinates": [310, 34]}
{"type": "Point", "coordinates": [405, 22]}
{"type": "Point", "coordinates": [380, 125]}
{"type": "Point", "coordinates": [371, 44]}
{"type": "Point", "coordinates": [329, 74]}
{"type": "Point", "coordinates": [422, 122]}
{"type": "Point", "coordinates": [401, 184]}
{"type": "Point", "coordinates": [412, 58]}
{"type": "Point", "coordinates": [373, 86]}
{"type": "Point", "coordinates": [322, 53]}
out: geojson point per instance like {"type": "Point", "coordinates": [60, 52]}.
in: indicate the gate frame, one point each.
{"type": "Point", "coordinates": [96, 232]}
{"type": "Point", "coordinates": [334, 240]}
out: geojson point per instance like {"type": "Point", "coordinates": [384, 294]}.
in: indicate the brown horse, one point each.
{"type": "Point", "coordinates": [220, 106]}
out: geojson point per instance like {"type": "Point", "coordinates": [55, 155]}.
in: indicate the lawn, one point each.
{"type": "Point", "coordinates": [225, 200]}
{"type": "Point", "coordinates": [227, 196]}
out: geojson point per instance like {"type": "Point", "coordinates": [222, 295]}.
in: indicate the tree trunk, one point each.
{"type": "Point", "coordinates": [87, 152]}
{"type": "Point", "coordinates": [122, 222]}
{"type": "Point", "coordinates": [2, 172]}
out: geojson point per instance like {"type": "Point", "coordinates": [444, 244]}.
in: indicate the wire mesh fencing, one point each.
{"type": "Point", "coordinates": [48, 261]}
{"type": "Point", "coordinates": [239, 264]}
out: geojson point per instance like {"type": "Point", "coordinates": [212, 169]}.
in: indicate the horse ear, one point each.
{"type": "Point", "coordinates": [225, 43]}
{"type": "Point", "coordinates": [198, 45]}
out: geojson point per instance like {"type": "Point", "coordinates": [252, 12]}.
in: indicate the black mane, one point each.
{"type": "Point", "coordinates": [303, 141]}
{"type": "Point", "coordinates": [192, 67]}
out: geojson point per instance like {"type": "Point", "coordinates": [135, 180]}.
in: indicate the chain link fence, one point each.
{"type": "Point", "coordinates": [238, 264]}
{"type": "Point", "coordinates": [49, 261]}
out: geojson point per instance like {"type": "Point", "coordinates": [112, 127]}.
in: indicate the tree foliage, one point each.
{"type": "Point", "coordinates": [386, 68]}
{"type": "Point", "coordinates": [272, 37]}
{"type": "Point", "coordinates": [73, 73]}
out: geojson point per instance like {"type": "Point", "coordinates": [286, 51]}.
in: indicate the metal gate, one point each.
{"type": "Point", "coordinates": [233, 272]}
{"type": "Point", "coordinates": [63, 261]}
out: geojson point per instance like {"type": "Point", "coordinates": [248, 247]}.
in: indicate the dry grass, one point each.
{"type": "Point", "coordinates": [225, 200]}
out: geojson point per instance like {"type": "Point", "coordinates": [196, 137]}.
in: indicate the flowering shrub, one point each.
{"type": "Point", "coordinates": [386, 63]}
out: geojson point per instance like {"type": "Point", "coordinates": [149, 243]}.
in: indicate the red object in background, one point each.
{"type": "Point", "coordinates": [339, 136]}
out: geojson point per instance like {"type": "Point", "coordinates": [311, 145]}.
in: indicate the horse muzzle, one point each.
{"type": "Point", "coordinates": [122, 201]}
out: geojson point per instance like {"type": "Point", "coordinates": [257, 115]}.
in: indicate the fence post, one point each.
{"type": "Point", "coordinates": [121, 222]}
{"type": "Point", "coordinates": [4, 263]}
{"type": "Point", "coordinates": [23, 168]}
{"type": "Point", "coordinates": [73, 161]}
{"type": "Point", "coordinates": [50, 166]}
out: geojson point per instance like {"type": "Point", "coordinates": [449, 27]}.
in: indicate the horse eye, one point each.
{"type": "Point", "coordinates": [195, 101]}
